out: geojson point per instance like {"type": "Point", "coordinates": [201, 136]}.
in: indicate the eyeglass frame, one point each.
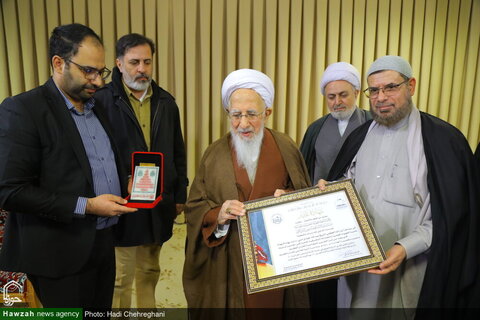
{"type": "Point", "coordinates": [391, 86]}
{"type": "Point", "coordinates": [238, 117]}
{"type": "Point", "coordinates": [88, 74]}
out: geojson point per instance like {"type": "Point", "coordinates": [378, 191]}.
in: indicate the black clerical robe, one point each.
{"type": "Point", "coordinates": [451, 278]}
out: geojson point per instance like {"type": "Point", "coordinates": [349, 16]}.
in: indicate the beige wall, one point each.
{"type": "Point", "coordinates": [201, 41]}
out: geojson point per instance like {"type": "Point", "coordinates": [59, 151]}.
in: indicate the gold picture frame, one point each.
{"type": "Point", "coordinates": [306, 236]}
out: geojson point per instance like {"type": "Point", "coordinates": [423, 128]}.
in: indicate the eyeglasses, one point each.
{"type": "Point", "coordinates": [92, 73]}
{"type": "Point", "coordinates": [388, 90]}
{"type": "Point", "coordinates": [250, 115]}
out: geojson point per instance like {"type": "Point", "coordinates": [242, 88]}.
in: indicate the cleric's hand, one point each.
{"type": "Point", "coordinates": [231, 210]}
{"type": "Point", "coordinates": [395, 257]}
{"type": "Point", "coordinates": [321, 184]}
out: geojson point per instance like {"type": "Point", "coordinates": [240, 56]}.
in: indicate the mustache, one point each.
{"type": "Point", "coordinates": [245, 130]}
{"type": "Point", "coordinates": [142, 75]}
{"type": "Point", "coordinates": [340, 106]}
{"type": "Point", "coordinates": [91, 86]}
{"type": "Point", "coordinates": [379, 105]}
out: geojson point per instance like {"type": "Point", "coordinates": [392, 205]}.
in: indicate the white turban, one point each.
{"type": "Point", "coordinates": [248, 79]}
{"type": "Point", "coordinates": [395, 63]}
{"type": "Point", "coordinates": [340, 71]}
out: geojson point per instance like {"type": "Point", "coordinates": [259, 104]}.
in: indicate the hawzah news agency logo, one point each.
{"type": "Point", "coordinates": [11, 286]}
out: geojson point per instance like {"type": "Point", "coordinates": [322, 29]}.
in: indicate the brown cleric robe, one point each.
{"type": "Point", "coordinates": [213, 273]}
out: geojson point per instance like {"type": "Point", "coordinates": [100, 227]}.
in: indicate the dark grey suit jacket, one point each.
{"type": "Point", "coordinates": [43, 171]}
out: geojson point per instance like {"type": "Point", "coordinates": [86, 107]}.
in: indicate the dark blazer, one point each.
{"type": "Point", "coordinates": [43, 171]}
{"type": "Point", "coordinates": [155, 225]}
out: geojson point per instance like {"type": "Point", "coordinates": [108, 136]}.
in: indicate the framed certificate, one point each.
{"type": "Point", "coordinates": [147, 180]}
{"type": "Point", "coordinates": [306, 236]}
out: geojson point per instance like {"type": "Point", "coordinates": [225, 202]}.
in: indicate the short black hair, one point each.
{"type": "Point", "coordinates": [65, 40]}
{"type": "Point", "coordinates": [132, 40]}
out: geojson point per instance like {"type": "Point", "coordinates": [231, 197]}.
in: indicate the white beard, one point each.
{"type": "Point", "coordinates": [248, 151]}
{"type": "Point", "coordinates": [343, 115]}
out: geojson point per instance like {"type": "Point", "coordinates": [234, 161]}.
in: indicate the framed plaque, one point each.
{"type": "Point", "coordinates": [147, 180]}
{"type": "Point", "coordinates": [306, 236]}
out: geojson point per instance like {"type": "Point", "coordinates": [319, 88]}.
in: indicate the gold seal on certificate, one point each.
{"type": "Point", "coordinates": [306, 236]}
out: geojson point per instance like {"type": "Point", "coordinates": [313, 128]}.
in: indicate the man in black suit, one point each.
{"type": "Point", "coordinates": [59, 178]}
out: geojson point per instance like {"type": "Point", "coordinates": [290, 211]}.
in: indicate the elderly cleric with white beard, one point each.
{"type": "Point", "coordinates": [248, 163]}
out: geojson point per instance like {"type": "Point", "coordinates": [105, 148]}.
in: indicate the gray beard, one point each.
{"type": "Point", "coordinates": [136, 85]}
{"type": "Point", "coordinates": [343, 115]}
{"type": "Point", "coordinates": [394, 118]}
{"type": "Point", "coordinates": [248, 151]}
